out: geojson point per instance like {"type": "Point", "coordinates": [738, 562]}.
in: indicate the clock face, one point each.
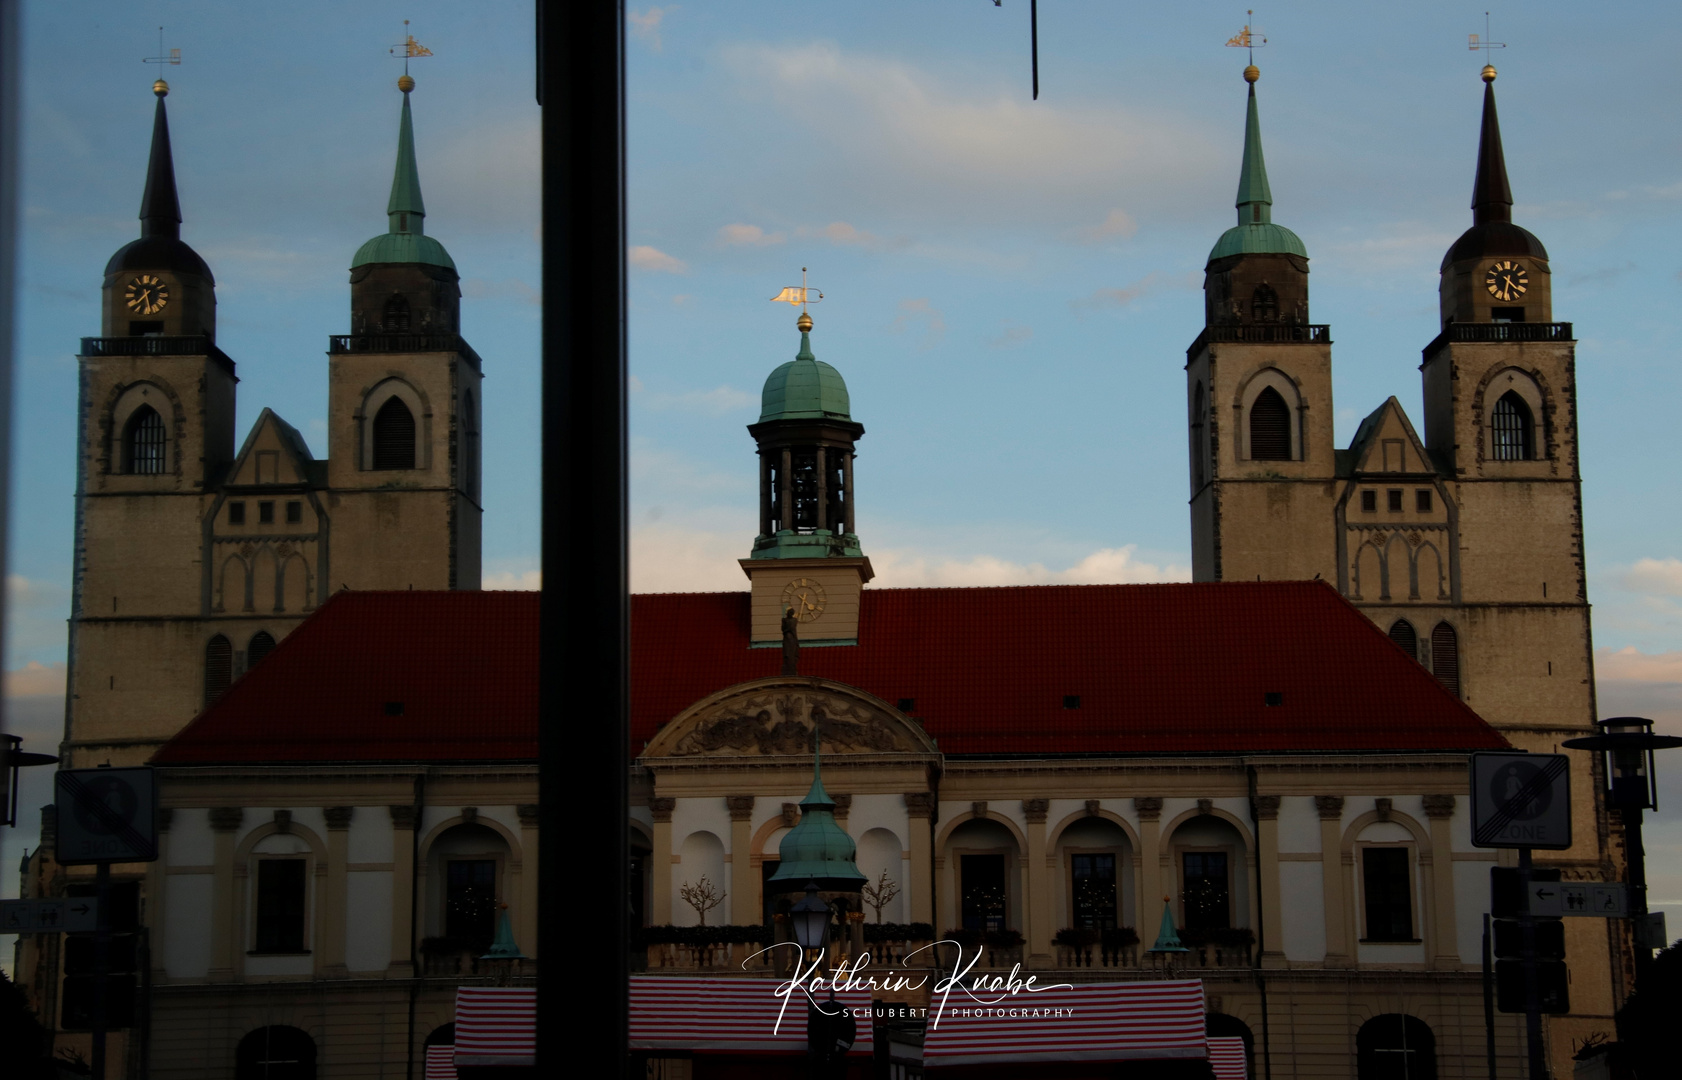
{"type": "Point", "coordinates": [806, 597]}
{"type": "Point", "coordinates": [146, 295]}
{"type": "Point", "coordinates": [1507, 281]}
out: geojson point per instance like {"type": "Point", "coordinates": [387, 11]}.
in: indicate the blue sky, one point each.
{"type": "Point", "coordinates": [1010, 285]}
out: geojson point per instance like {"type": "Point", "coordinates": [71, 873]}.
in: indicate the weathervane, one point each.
{"type": "Point", "coordinates": [800, 295]}
{"type": "Point", "coordinates": [409, 47]}
{"type": "Point", "coordinates": [1474, 44]}
{"type": "Point", "coordinates": [1248, 38]}
{"type": "Point", "coordinates": [173, 58]}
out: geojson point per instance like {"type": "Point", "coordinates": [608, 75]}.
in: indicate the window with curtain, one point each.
{"type": "Point", "coordinates": [1270, 427]}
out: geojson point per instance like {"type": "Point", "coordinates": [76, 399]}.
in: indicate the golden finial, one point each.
{"type": "Point", "coordinates": [804, 323]}
{"type": "Point", "coordinates": [160, 88]}
{"type": "Point", "coordinates": [405, 83]}
{"type": "Point", "coordinates": [1252, 73]}
{"type": "Point", "coordinates": [1489, 73]}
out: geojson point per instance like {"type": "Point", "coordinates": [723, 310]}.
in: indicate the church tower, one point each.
{"type": "Point", "coordinates": [806, 557]}
{"type": "Point", "coordinates": [155, 437]}
{"type": "Point", "coordinates": [403, 407]}
{"type": "Point", "coordinates": [1259, 392]}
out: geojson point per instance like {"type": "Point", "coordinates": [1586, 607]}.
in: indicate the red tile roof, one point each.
{"type": "Point", "coordinates": [1159, 669]}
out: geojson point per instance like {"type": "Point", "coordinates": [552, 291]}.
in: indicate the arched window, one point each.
{"type": "Point", "coordinates": [1264, 304]}
{"type": "Point", "coordinates": [1445, 657]}
{"type": "Point", "coordinates": [1199, 471]}
{"type": "Point", "coordinates": [143, 442]}
{"type": "Point", "coordinates": [262, 643]}
{"type": "Point", "coordinates": [394, 436]}
{"type": "Point", "coordinates": [1395, 1047]}
{"type": "Point", "coordinates": [1403, 634]}
{"type": "Point", "coordinates": [396, 318]}
{"type": "Point", "coordinates": [1511, 428]}
{"type": "Point", "coordinates": [218, 667]}
{"type": "Point", "coordinates": [276, 1052]}
{"type": "Point", "coordinates": [1270, 427]}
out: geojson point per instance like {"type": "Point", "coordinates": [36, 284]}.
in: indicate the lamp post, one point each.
{"type": "Point", "coordinates": [810, 918]}
{"type": "Point", "coordinates": [1628, 743]}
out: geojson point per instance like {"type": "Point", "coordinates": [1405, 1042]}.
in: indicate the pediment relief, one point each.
{"type": "Point", "coordinates": [775, 717]}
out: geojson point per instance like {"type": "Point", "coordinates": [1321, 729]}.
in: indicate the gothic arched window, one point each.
{"type": "Point", "coordinates": [1395, 1047]}
{"type": "Point", "coordinates": [1511, 428]}
{"type": "Point", "coordinates": [1270, 427]}
{"type": "Point", "coordinates": [262, 643]}
{"type": "Point", "coordinates": [394, 436]}
{"type": "Point", "coordinates": [144, 440]}
{"type": "Point", "coordinates": [1404, 635]}
{"type": "Point", "coordinates": [1445, 657]}
{"type": "Point", "coordinates": [396, 317]}
{"type": "Point", "coordinates": [1264, 304]}
{"type": "Point", "coordinates": [218, 667]}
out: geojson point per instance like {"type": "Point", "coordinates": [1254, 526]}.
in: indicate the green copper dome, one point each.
{"type": "Point", "coordinates": [405, 240]}
{"type": "Point", "coordinates": [817, 849]}
{"type": "Point", "coordinates": [1255, 233]}
{"type": "Point", "coordinates": [805, 388]}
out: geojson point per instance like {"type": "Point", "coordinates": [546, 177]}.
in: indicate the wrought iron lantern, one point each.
{"type": "Point", "coordinates": [811, 920]}
{"type": "Point", "coordinates": [1628, 743]}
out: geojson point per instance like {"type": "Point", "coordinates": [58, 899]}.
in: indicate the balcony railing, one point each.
{"type": "Point", "coordinates": [156, 345]}
{"type": "Point", "coordinates": [1262, 334]}
{"type": "Point", "coordinates": [1493, 332]}
{"type": "Point", "coordinates": [401, 343]}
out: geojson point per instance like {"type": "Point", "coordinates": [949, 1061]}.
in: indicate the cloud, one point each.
{"type": "Point", "coordinates": [741, 234]}
{"type": "Point", "coordinates": [645, 25]}
{"type": "Point", "coordinates": [680, 558]}
{"type": "Point", "coordinates": [516, 580]}
{"type": "Point", "coordinates": [1010, 337]}
{"type": "Point", "coordinates": [1107, 566]}
{"type": "Point", "coordinates": [36, 611]}
{"type": "Point", "coordinates": [644, 257]}
{"type": "Point", "coordinates": [845, 235]}
{"type": "Point", "coordinates": [35, 679]}
{"type": "Point", "coordinates": [920, 312]}
{"type": "Point", "coordinates": [718, 401]}
{"type": "Point", "coordinates": [1660, 576]}
{"type": "Point", "coordinates": [1117, 225]}
{"type": "Point", "coordinates": [1103, 299]}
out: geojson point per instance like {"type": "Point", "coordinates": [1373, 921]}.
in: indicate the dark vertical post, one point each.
{"type": "Point", "coordinates": [9, 29]}
{"type": "Point", "coordinates": [585, 607]}
{"type": "Point", "coordinates": [1532, 992]}
{"type": "Point", "coordinates": [101, 964]}
{"type": "Point", "coordinates": [1488, 999]}
{"type": "Point", "coordinates": [764, 494]}
{"type": "Point", "coordinates": [1635, 855]}
{"type": "Point", "coordinates": [823, 489]}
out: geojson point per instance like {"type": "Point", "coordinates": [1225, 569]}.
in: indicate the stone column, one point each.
{"type": "Point", "coordinates": [1445, 938]}
{"type": "Point", "coordinates": [1149, 907]}
{"type": "Point", "coordinates": [1267, 861]}
{"type": "Point", "coordinates": [1339, 951]}
{"type": "Point", "coordinates": [764, 495]}
{"type": "Point", "coordinates": [746, 904]}
{"type": "Point", "coordinates": [226, 937]}
{"type": "Point", "coordinates": [785, 496]}
{"type": "Point", "coordinates": [849, 520]}
{"type": "Point", "coordinates": [823, 491]}
{"type": "Point", "coordinates": [660, 861]}
{"type": "Point", "coordinates": [526, 933]}
{"type": "Point", "coordinates": [333, 905]}
{"type": "Point", "coordinates": [919, 808]}
{"type": "Point", "coordinates": [1041, 921]}
{"type": "Point", "coordinates": [402, 885]}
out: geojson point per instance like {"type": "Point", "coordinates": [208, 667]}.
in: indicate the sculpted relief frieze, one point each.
{"type": "Point", "coordinates": [780, 721]}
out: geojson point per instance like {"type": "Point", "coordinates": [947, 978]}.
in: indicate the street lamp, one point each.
{"type": "Point", "coordinates": [1628, 743]}
{"type": "Point", "coordinates": [12, 757]}
{"type": "Point", "coordinates": [811, 920]}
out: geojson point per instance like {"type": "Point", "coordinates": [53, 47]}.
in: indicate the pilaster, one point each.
{"type": "Point", "coordinates": [332, 906]}
{"type": "Point", "coordinates": [224, 933]}
{"type": "Point", "coordinates": [919, 807]}
{"type": "Point", "coordinates": [1149, 870]}
{"type": "Point", "coordinates": [660, 860]}
{"type": "Point", "coordinates": [745, 885]}
{"type": "Point", "coordinates": [1040, 923]}
{"type": "Point", "coordinates": [526, 932]}
{"type": "Point", "coordinates": [402, 891]}
{"type": "Point", "coordinates": [1266, 808]}
{"type": "Point", "coordinates": [1338, 950]}
{"type": "Point", "coordinates": [1445, 938]}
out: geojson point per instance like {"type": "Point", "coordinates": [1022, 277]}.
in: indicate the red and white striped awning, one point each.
{"type": "Point", "coordinates": [729, 1015]}
{"type": "Point", "coordinates": [1226, 1057]}
{"type": "Point", "coordinates": [1108, 1022]}
{"type": "Point", "coordinates": [495, 1025]}
{"type": "Point", "coordinates": [440, 1063]}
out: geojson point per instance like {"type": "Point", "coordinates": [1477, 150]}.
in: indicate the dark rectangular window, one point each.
{"type": "Point", "coordinates": [1395, 500]}
{"type": "Point", "coordinates": [280, 906]}
{"type": "Point", "coordinates": [983, 900]}
{"type": "Point", "coordinates": [294, 512]}
{"type": "Point", "coordinates": [1094, 891]}
{"type": "Point", "coordinates": [1506, 314]}
{"type": "Point", "coordinates": [145, 328]}
{"type": "Point", "coordinates": [1369, 502]}
{"type": "Point", "coordinates": [470, 903]}
{"type": "Point", "coordinates": [236, 513]}
{"type": "Point", "coordinates": [1422, 500]}
{"type": "Point", "coordinates": [1389, 900]}
{"type": "Point", "coordinates": [1207, 893]}
{"type": "Point", "coordinates": [265, 513]}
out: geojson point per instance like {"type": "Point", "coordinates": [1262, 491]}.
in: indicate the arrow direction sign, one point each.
{"type": "Point", "coordinates": [1521, 801]}
{"type": "Point", "coordinates": [48, 916]}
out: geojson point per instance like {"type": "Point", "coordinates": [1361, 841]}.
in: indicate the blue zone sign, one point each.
{"type": "Point", "coordinates": [1521, 801]}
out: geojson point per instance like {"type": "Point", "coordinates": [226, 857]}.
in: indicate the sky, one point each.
{"type": "Point", "coordinates": [1009, 284]}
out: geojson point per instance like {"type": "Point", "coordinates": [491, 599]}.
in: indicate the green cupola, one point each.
{"type": "Point", "coordinates": [403, 281]}
{"type": "Point", "coordinates": [817, 849]}
{"type": "Point", "coordinates": [1255, 233]}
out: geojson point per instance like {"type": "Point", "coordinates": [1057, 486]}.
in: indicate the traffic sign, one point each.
{"type": "Point", "coordinates": [1553, 986]}
{"type": "Point", "coordinates": [1521, 801]}
{"type": "Point", "coordinates": [106, 816]}
{"type": "Point", "coordinates": [1548, 934]}
{"type": "Point", "coordinates": [1594, 899]}
{"type": "Point", "coordinates": [75, 915]}
{"type": "Point", "coordinates": [1507, 896]}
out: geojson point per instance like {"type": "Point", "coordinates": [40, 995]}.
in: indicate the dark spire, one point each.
{"type": "Point", "coordinates": [160, 209]}
{"type": "Point", "coordinates": [1492, 198]}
